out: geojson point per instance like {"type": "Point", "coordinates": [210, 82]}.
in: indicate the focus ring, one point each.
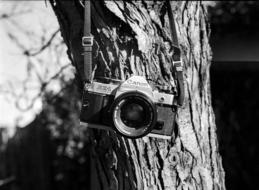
{"type": "Point", "coordinates": [136, 98]}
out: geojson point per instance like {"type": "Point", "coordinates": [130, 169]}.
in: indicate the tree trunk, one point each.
{"type": "Point", "coordinates": [132, 37]}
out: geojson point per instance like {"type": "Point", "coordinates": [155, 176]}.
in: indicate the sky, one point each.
{"type": "Point", "coordinates": [29, 25]}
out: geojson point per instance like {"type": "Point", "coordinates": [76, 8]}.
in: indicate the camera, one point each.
{"type": "Point", "coordinates": [133, 108]}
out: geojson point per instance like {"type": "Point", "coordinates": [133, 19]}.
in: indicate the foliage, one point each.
{"type": "Point", "coordinates": [60, 115]}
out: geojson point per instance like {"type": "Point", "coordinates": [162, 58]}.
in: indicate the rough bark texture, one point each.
{"type": "Point", "coordinates": [133, 37]}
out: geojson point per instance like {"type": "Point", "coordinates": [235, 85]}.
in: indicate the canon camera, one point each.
{"type": "Point", "coordinates": [133, 108]}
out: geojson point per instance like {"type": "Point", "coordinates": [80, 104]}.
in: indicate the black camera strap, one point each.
{"type": "Point", "coordinates": [87, 42]}
{"type": "Point", "coordinates": [177, 60]}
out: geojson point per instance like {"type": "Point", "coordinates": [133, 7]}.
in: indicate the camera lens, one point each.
{"type": "Point", "coordinates": [134, 114]}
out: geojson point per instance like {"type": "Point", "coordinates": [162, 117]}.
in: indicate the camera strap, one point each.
{"type": "Point", "coordinates": [177, 60]}
{"type": "Point", "coordinates": [87, 43]}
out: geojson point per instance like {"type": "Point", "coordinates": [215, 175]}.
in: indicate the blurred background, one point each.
{"type": "Point", "coordinates": [41, 144]}
{"type": "Point", "coordinates": [235, 90]}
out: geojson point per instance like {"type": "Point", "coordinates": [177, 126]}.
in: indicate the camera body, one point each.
{"type": "Point", "coordinates": [133, 108]}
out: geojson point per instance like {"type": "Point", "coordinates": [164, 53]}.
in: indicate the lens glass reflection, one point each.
{"type": "Point", "coordinates": [134, 114]}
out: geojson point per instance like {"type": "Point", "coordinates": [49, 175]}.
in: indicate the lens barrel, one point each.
{"type": "Point", "coordinates": [134, 114]}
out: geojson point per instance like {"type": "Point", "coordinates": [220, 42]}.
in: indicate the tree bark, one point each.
{"type": "Point", "coordinates": [132, 37]}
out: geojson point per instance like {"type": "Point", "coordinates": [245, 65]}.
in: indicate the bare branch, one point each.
{"type": "Point", "coordinates": [42, 90]}
{"type": "Point", "coordinates": [47, 44]}
{"type": "Point", "coordinates": [13, 14]}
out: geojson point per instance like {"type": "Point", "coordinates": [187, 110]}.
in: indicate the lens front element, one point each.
{"type": "Point", "coordinates": [134, 114]}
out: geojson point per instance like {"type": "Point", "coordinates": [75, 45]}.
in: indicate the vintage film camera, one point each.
{"type": "Point", "coordinates": [132, 108]}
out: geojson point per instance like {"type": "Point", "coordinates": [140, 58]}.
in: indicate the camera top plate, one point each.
{"type": "Point", "coordinates": [140, 84]}
{"type": "Point", "coordinates": [100, 88]}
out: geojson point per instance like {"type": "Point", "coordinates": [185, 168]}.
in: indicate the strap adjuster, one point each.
{"type": "Point", "coordinates": [178, 65]}
{"type": "Point", "coordinates": [87, 41]}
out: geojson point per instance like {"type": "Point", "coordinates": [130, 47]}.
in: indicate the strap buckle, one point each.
{"type": "Point", "coordinates": [87, 41]}
{"type": "Point", "coordinates": [178, 65]}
